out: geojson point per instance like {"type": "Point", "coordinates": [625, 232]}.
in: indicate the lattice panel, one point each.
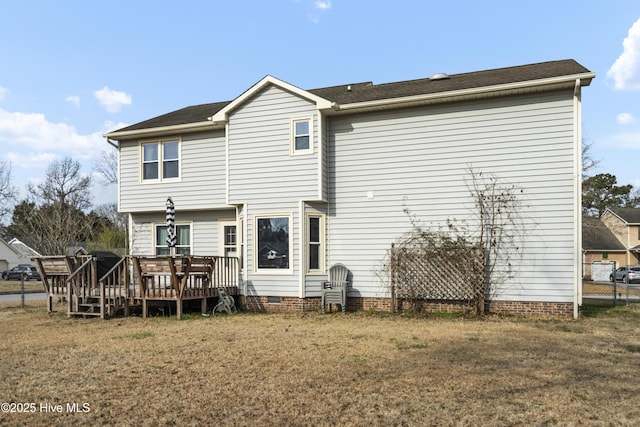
{"type": "Point", "coordinates": [437, 274]}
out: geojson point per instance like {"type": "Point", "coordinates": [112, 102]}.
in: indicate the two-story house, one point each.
{"type": "Point", "coordinates": [624, 223]}
{"type": "Point", "coordinates": [293, 181]}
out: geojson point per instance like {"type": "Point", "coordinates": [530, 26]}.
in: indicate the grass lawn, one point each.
{"type": "Point", "coordinates": [14, 286]}
{"type": "Point", "coordinates": [310, 369]}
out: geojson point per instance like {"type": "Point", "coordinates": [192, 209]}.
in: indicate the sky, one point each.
{"type": "Point", "coordinates": [70, 71]}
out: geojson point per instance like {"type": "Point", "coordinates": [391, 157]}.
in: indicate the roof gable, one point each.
{"type": "Point", "coordinates": [222, 115]}
{"type": "Point", "coordinates": [627, 215]}
{"type": "Point", "coordinates": [596, 236]}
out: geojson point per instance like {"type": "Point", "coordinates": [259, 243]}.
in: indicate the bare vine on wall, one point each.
{"type": "Point", "coordinates": [457, 262]}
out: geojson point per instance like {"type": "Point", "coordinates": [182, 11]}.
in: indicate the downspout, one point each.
{"type": "Point", "coordinates": [111, 143]}
{"type": "Point", "coordinates": [577, 113]}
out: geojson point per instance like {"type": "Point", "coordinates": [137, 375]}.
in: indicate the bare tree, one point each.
{"type": "Point", "coordinates": [500, 227]}
{"type": "Point", "coordinates": [107, 166]}
{"type": "Point", "coordinates": [57, 219]}
{"type": "Point", "coordinates": [8, 191]}
{"type": "Point", "coordinates": [64, 184]}
{"type": "Point", "coordinates": [588, 162]}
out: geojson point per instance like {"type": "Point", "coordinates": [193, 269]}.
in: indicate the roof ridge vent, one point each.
{"type": "Point", "coordinates": [439, 76]}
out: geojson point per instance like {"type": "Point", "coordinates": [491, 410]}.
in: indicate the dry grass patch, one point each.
{"type": "Point", "coordinates": [15, 287]}
{"type": "Point", "coordinates": [310, 369]}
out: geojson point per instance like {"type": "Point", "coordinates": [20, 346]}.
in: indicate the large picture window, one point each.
{"type": "Point", "coordinates": [160, 159]}
{"type": "Point", "coordinates": [183, 245]}
{"type": "Point", "coordinates": [273, 243]}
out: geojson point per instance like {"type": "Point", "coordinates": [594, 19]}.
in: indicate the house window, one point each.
{"type": "Point", "coordinates": [230, 241]}
{"type": "Point", "coordinates": [183, 245]}
{"type": "Point", "coordinates": [315, 247]}
{"type": "Point", "coordinates": [301, 140]}
{"type": "Point", "coordinates": [170, 160]}
{"type": "Point", "coordinates": [160, 159]}
{"type": "Point", "coordinates": [272, 243]}
{"type": "Point", "coordinates": [150, 161]}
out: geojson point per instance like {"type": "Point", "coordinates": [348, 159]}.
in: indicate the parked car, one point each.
{"type": "Point", "coordinates": [29, 272]}
{"type": "Point", "coordinates": [630, 272]}
{"type": "Point", "coordinates": [34, 274]}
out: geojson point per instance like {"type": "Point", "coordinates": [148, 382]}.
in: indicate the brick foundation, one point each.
{"type": "Point", "coordinates": [293, 304]}
{"type": "Point", "coordinates": [556, 309]}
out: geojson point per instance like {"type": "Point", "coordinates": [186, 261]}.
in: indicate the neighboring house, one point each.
{"type": "Point", "coordinates": [624, 223]}
{"type": "Point", "coordinates": [25, 250]}
{"type": "Point", "coordinates": [15, 252]}
{"type": "Point", "coordinates": [293, 181]}
{"type": "Point", "coordinates": [600, 245]}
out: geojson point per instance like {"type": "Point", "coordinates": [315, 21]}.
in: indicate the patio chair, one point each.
{"type": "Point", "coordinates": [226, 303]}
{"type": "Point", "coordinates": [334, 291]}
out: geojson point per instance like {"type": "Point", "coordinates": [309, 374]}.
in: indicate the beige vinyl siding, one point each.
{"type": "Point", "coordinates": [202, 183]}
{"type": "Point", "coordinates": [204, 230]}
{"type": "Point", "coordinates": [382, 163]}
{"type": "Point", "coordinates": [261, 168]}
{"type": "Point", "coordinates": [265, 177]}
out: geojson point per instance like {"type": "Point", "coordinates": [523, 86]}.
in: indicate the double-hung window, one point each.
{"type": "Point", "coordinates": [183, 235]}
{"type": "Point", "coordinates": [315, 243]}
{"type": "Point", "coordinates": [160, 160]}
{"type": "Point", "coordinates": [301, 136]}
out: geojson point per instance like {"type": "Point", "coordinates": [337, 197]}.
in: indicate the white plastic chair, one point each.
{"type": "Point", "coordinates": [334, 291]}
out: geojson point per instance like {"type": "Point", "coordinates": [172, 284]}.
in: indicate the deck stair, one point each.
{"type": "Point", "coordinates": [75, 279]}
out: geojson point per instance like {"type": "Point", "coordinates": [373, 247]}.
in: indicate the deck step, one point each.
{"type": "Point", "coordinates": [84, 313]}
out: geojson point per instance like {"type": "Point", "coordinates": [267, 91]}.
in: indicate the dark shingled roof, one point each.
{"type": "Point", "coordinates": [193, 114]}
{"type": "Point", "coordinates": [596, 236]}
{"type": "Point", "coordinates": [367, 91]}
{"type": "Point", "coordinates": [628, 215]}
{"type": "Point", "coordinates": [361, 92]}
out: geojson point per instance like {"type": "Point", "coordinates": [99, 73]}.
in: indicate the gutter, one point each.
{"type": "Point", "coordinates": [182, 128]}
{"type": "Point", "coordinates": [563, 80]}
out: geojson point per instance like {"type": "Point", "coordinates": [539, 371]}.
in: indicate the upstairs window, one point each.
{"type": "Point", "coordinates": [301, 137]}
{"type": "Point", "coordinates": [160, 159]}
{"type": "Point", "coordinates": [150, 161]}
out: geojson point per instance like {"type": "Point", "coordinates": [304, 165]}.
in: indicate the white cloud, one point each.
{"type": "Point", "coordinates": [625, 118]}
{"type": "Point", "coordinates": [625, 72]}
{"type": "Point", "coordinates": [32, 135]}
{"type": "Point", "coordinates": [3, 92]}
{"type": "Point", "coordinates": [323, 4]}
{"type": "Point", "coordinates": [75, 100]}
{"type": "Point", "coordinates": [112, 100]}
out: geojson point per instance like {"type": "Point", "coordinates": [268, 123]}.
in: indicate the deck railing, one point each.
{"type": "Point", "coordinates": [135, 278]}
{"type": "Point", "coordinates": [115, 288]}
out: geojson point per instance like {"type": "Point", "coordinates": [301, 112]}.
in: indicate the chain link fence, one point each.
{"type": "Point", "coordinates": [602, 289]}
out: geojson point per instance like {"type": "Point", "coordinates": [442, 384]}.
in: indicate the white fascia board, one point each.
{"type": "Point", "coordinates": [162, 130]}
{"type": "Point", "coordinates": [222, 115]}
{"type": "Point", "coordinates": [467, 92]}
{"type": "Point", "coordinates": [607, 210]}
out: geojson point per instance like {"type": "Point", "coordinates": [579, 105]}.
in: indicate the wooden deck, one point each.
{"type": "Point", "coordinates": [135, 280]}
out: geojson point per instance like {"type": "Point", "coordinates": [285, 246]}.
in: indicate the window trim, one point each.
{"type": "Point", "coordinates": [278, 271]}
{"type": "Point", "coordinates": [293, 135]}
{"type": "Point", "coordinates": [160, 161]}
{"type": "Point", "coordinates": [307, 244]}
{"type": "Point", "coordinates": [154, 233]}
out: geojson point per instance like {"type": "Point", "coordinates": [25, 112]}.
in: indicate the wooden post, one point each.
{"type": "Point", "coordinates": [392, 267]}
